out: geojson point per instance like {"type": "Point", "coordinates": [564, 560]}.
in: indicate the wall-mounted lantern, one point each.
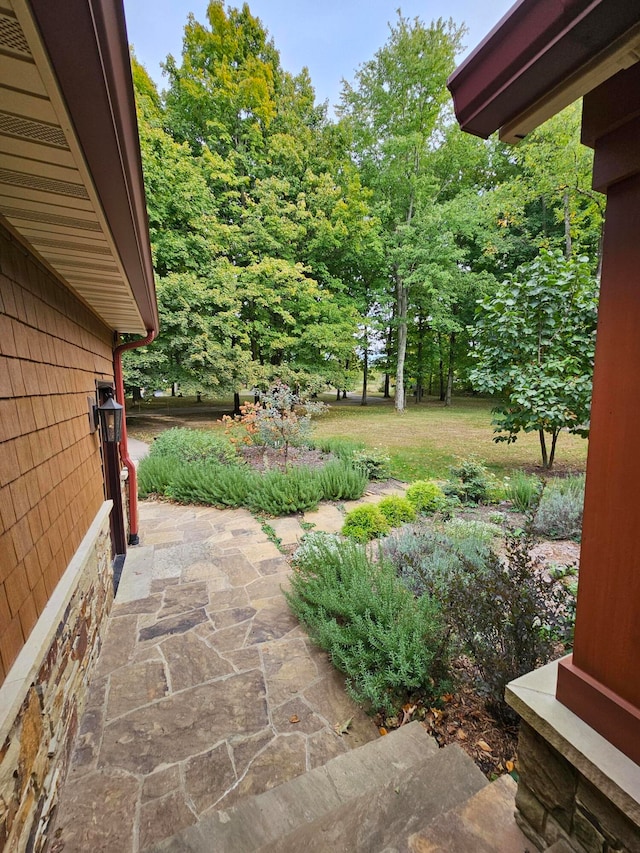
{"type": "Point", "coordinates": [110, 414]}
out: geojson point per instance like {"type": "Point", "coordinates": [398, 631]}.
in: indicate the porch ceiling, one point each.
{"type": "Point", "coordinates": [48, 192]}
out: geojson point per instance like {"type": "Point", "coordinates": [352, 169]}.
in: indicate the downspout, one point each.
{"type": "Point", "coordinates": [134, 539]}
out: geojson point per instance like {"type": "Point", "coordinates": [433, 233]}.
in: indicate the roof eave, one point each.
{"type": "Point", "coordinates": [542, 56]}
{"type": "Point", "coordinates": [95, 80]}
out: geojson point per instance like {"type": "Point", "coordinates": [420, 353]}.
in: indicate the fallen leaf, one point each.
{"type": "Point", "coordinates": [343, 728]}
{"type": "Point", "coordinates": [462, 735]}
{"type": "Point", "coordinates": [294, 719]}
{"type": "Point", "coordinates": [447, 697]}
{"type": "Point", "coordinates": [437, 715]}
{"type": "Point", "coordinates": [484, 746]}
{"type": "Point", "coordinates": [383, 731]}
{"type": "Point", "coordinates": [510, 766]}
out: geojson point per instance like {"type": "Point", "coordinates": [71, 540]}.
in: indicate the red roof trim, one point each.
{"type": "Point", "coordinates": [534, 48]}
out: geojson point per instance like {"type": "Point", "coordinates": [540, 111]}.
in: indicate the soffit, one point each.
{"type": "Point", "coordinates": [47, 193]}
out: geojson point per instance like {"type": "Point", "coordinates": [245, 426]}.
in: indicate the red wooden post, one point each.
{"type": "Point", "coordinates": [601, 682]}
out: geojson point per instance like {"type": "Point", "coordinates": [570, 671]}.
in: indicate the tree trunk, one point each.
{"type": "Point", "coordinates": [174, 387]}
{"type": "Point", "coordinates": [402, 298]}
{"type": "Point", "coordinates": [543, 449]}
{"type": "Point", "coordinates": [344, 393]}
{"type": "Point", "coordinates": [452, 346]}
{"type": "Point", "coordinates": [236, 403]}
{"type": "Point", "coordinates": [441, 369]}
{"type": "Point", "coordinates": [198, 396]}
{"type": "Point", "coordinates": [136, 392]}
{"type": "Point", "coordinates": [365, 368]}
{"type": "Point", "coordinates": [337, 394]}
{"type": "Point", "coordinates": [419, 376]}
{"type": "Point", "coordinates": [552, 454]}
{"type": "Point", "coordinates": [387, 386]}
{"type": "Point", "coordinates": [567, 226]}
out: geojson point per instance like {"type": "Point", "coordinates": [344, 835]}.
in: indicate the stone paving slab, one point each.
{"type": "Point", "coordinates": [206, 691]}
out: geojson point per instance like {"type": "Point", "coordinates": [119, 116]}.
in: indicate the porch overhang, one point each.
{"type": "Point", "coordinates": [71, 185]}
{"type": "Point", "coordinates": [542, 56]}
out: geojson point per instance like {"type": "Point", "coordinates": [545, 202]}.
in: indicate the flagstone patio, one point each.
{"type": "Point", "coordinates": [206, 688]}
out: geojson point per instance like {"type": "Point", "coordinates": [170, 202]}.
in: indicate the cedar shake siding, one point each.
{"type": "Point", "coordinates": [53, 349]}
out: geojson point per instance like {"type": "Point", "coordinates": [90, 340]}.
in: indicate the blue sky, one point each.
{"type": "Point", "coordinates": [330, 37]}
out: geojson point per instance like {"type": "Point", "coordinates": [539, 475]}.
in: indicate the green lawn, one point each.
{"type": "Point", "coordinates": [423, 442]}
{"type": "Point", "coordinates": [427, 438]}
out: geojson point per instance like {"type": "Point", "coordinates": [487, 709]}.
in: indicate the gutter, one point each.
{"type": "Point", "coordinates": [134, 539]}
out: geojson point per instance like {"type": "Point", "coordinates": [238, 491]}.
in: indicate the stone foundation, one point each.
{"type": "Point", "coordinates": [573, 785]}
{"type": "Point", "coordinates": [43, 695]}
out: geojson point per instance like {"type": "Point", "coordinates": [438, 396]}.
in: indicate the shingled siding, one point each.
{"type": "Point", "coordinates": [52, 351]}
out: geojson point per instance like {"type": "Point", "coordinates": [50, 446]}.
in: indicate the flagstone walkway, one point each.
{"type": "Point", "coordinates": [206, 688]}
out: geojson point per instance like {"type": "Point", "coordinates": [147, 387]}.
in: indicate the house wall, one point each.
{"type": "Point", "coordinates": [52, 351]}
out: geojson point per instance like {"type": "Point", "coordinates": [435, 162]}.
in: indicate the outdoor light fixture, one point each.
{"type": "Point", "coordinates": [110, 414]}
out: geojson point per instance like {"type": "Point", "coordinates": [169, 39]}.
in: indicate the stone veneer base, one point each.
{"type": "Point", "coordinates": [43, 695]}
{"type": "Point", "coordinates": [574, 785]}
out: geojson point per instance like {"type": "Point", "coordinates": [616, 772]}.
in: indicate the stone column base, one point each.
{"type": "Point", "coordinates": [574, 785]}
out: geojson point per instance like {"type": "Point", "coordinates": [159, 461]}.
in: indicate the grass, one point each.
{"type": "Point", "coordinates": [423, 442]}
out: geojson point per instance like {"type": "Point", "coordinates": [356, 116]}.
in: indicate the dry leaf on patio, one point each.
{"type": "Point", "coordinates": [383, 731]}
{"type": "Point", "coordinates": [294, 719]}
{"type": "Point", "coordinates": [510, 766]}
{"type": "Point", "coordinates": [484, 746]}
{"type": "Point", "coordinates": [343, 728]}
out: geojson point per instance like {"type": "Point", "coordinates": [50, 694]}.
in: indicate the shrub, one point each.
{"type": "Point", "coordinates": [397, 510]}
{"type": "Point", "coordinates": [469, 481]}
{"type": "Point", "coordinates": [155, 473]}
{"type": "Point", "coordinates": [376, 463]}
{"type": "Point", "coordinates": [193, 445]}
{"type": "Point", "coordinates": [523, 490]}
{"type": "Point", "coordinates": [342, 482]}
{"type": "Point", "coordinates": [425, 556]}
{"type": "Point", "coordinates": [461, 530]}
{"type": "Point", "coordinates": [312, 545]}
{"type": "Point", "coordinates": [213, 485]}
{"type": "Point", "coordinates": [279, 493]}
{"type": "Point", "coordinates": [426, 496]}
{"type": "Point", "coordinates": [389, 644]}
{"type": "Point", "coordinates": [559, 515]}
{"type": "Point", "coordinates": [364, 523]}
{"type": "Point", "coordinates": [507, 615]}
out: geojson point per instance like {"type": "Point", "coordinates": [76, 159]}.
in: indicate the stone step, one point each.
{"type": "Point", "coordinates": [485, 823]}
{"type": "Point", "coordinates": [338, 803]}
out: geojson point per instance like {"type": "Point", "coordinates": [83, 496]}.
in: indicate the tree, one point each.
{"type": "Point", "coordinates": [394, 112]}
{"type": "Point", "coordinates": [534, 345]}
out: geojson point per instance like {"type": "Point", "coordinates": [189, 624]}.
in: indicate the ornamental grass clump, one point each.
{"type": "Point", "coordinates": [365, 523]}
{"type": "Point", "coordinates": [523, 490]}
{"type": "Point", "coordinates": [390, 645]}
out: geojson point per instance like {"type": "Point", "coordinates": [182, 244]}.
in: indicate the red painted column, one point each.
{"type": "Point", "coordinates": [601, 682]}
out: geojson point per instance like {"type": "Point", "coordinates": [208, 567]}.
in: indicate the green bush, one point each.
{"type": "Point", "coordinates": [278, 493]}
{"type": "Point", "coordinates": [213, 485]}
{"type": "Point", "coordinates": [470, 482]}
{"type": "Point", "coordinates": [364, 523]}
{"type": "Point", "coordinates": [376, 463]}
{"type": "Point", "coordinates": [426, 496]}
{"type": "Point", "coordinates": [523, 490]}
{"type": "Point", "coordinates": [155, 475]}
{"type": "Point", "coordinates": [397, 510]}
{"type": "Point", "coordinates": [390, 644]}
{"type": "Point", "coordinates": [559, 515]}
{"type": "Point", "coordinates": [340, 481]}
{"type": "Point", "coordinates": [193, 445]}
